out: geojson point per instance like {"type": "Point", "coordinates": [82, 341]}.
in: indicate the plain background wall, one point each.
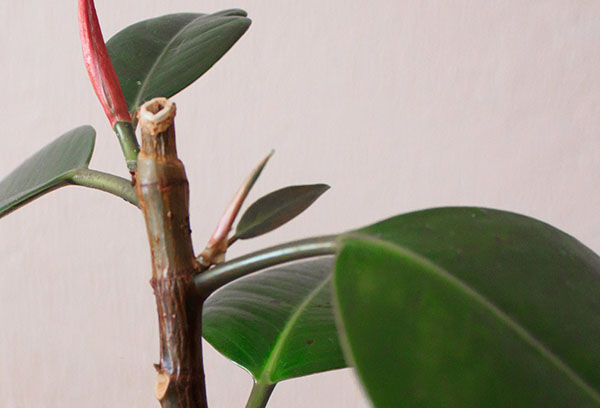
{"type": "Point", "coordinates": [399, 105]}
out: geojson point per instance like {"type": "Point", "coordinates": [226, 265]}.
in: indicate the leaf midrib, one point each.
{"type": "Point", "coordinates": [486, 303]}
{"type": "Point", "coordinates": [273, 358]}
{"type": "Point", "coordinates": [137, 99]}
{"type": "Point", "coordinates": [17, 200]}
{"type": "Point", "coordinates": [61, 178]}
{"type": "Point", "coordinates": [259, 221]}
{"type": "Point", "coordinates": [267, 216]}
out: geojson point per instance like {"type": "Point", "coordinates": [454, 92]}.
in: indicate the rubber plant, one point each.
{"type": "Point", "coordinates": [454, 306]}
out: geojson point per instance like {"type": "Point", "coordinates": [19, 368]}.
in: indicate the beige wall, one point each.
{"type": "Point", "coordinates": [399, 105]}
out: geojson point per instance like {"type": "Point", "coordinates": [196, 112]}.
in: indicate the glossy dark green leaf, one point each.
{"type": "Point", "coordinates": [277, 324]}
{"type": "Point", "coordinates": [470, 307]}
{"type": "Point", "coordinates": [48, 169]}
{"type": "Point", "coordinates": [163, 55]}
{"type": "Point", "coordinates": [277, 208]}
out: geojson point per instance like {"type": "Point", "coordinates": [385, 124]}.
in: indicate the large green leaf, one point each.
{"type": "Point", "coordinates": [277, 208]}
{"type": "Point", "coordinates": [48, 169]}
{"type": "Point", "coordinates": [277, 324]}
{"type": "Point", "coordinates": [471, 307]}
{"type": "Point", "coordinates": [163, 55]}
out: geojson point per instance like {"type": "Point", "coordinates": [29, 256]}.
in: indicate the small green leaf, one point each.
{"type": "Point", "coordinates": [277, 324]}
{"type": "Point", "coordinates": [470, 307]}
{"type": "Point", "coordinates": [163, 55]}
{"type": "Point", "coordinates": [48, 169]}
{"type": "Point", "coordinates": [277, 208]}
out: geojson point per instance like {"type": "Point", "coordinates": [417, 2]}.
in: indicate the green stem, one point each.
{"type": "Point", "coordinates": [259, 396]}
{"type": "Point", "coordinates": [212, 279]}
{"type": "Point", "coordinates": [106, 182]}
{"type": "Point", "coordinates": [129, 144]}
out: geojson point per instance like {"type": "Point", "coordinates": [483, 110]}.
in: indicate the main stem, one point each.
{"type": "Point", "coordinates": [163, 195]}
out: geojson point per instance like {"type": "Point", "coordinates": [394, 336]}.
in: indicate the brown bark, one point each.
{"type": "Point", "coordinates": [163, 194]}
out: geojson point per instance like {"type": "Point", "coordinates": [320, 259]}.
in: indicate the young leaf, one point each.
{"type": "Point", "coordinates": [98, 65]}
{"type": "Point", "coordinates": [48, 169]}
{"type": "Point", "coordinates": [219, 240]}
{"type": "Point", "coordinates": [277, 324]}
{"type": "Point", "coordinates": [277, 208]}
{"type": "Point", "coordinates": [470, 307]}
{"type": "Point", "coordinates": [163, 55]}
{"type": "Point", "coordinates": [105, 83]}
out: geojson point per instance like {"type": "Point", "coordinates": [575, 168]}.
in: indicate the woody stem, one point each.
{"type": "Point", "coordinates": [163, 194]}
